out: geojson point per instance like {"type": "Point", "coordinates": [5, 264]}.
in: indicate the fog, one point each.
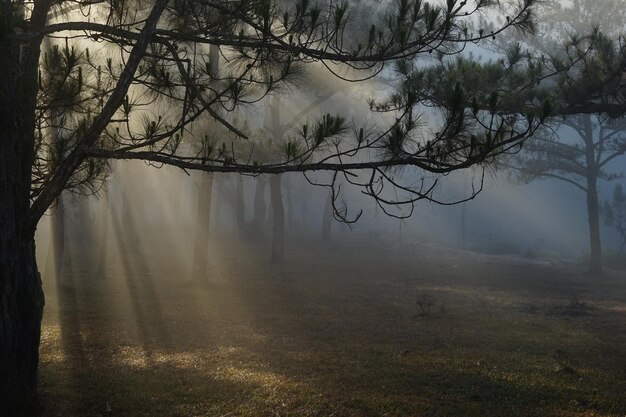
{"type": "Point", "coordinates": [179, 292]}
{"type": "Point", "coordinates": [128, 325]}
{"type": "Point", "coordinates": [546, 219]}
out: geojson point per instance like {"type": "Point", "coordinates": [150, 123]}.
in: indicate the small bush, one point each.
{"type": "Point", "coordinates": [428, 305]}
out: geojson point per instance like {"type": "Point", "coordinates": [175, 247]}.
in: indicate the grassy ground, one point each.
{"type": "Point", "coordinates": [341, 330]}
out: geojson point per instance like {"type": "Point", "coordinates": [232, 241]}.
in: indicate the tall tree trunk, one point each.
{"type": "Point", "coordinates": [289, 200]}
{"type": "Point", "coordinates": [464, 225]}
{"type": "Point", "coordinates": [278, 216]}
{"type": "Point", "coordinates": [83, 225]}
{"type": "Point", "coordinates": [218, 191]}
{"type": "Point", "coordinates": [205, 195]}
{"type": "Point", "coordinates": [327, 217]}
{"type": "Point", "coordinates": [203, 226]}
{"type": "Point", "coordinates": [304, 218]}
{"type": "Point", "coordinates": [464, 215]}
{"type": "Point", "coordinates": [103, 235]}
{"type": "Point", "coordinates": [128, 206]}
{"type": "Point", "coordinates": [240, 206]}
{"type": "Point", "coordinates": [58, 238]}
{"type": "Point", "coordinates": [593, 216]}
{"type": "Point", "coordinates": [21, 295]}
{"type": "Point", "coordinates": [593, 206]}
{"type": "Point", "coordinates": [260, 207]}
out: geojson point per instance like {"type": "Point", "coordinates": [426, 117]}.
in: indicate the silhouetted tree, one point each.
{"type": "Point", "coordinates": [139, 84]}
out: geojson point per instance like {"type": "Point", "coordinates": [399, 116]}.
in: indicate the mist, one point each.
{"type": "Point", "coordinates": [291, 229]}
{"type": "Point", "coordinates": [485, 284]}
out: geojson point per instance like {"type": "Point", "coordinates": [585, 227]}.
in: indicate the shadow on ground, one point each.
{"type": "Point", "coordinates": [333, 331]}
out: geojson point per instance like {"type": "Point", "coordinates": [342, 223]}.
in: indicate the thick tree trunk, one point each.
{"type": "Point", "coordinates": [21, 295]}
{"type": "Point", "coordinates": [203, 226]}
{"type": "Point", "coordinates": [21, 303]}
{"type": "Point", "coordinates": [278, 216]}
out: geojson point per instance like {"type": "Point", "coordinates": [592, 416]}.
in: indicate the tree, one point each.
{"type": "Point", "coordinates": [204, 192]}
{"type": "Point", "coordinates": [278, 131]}
{"type": "Point", "coordinates": [138, 84]}
{"type": "Point", "coordinates": [581, 145]}
{"type": "Point", "coordinates": [276, 195]}
{"type": "Point", "coordinates": [260, 207]}
{"type": "Point", "coordinates": [581, 164]}
{"type": "Point", "coordinates": [614, 213]}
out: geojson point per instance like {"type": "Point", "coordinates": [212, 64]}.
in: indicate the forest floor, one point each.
{"type": "Point", "coordinates": [341, 329]}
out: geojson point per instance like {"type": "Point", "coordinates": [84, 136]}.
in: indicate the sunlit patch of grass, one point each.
{"type": "Point", "coordinates": [50, 350]}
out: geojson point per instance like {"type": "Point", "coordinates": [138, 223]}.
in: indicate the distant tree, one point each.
{"type": "Point", "coordinates": [614, 213]}
{"type": "Point", "coordinates": [139, 83]}
{"type": "Point", "coordinates": [259, 215]}
{"type": "Point", "coordinates": [276, 194]}
{"type": "Point", "coordinates": [283, 148]}
{"type": "Point", "coordinates": [581, 164]}
{"type": "Point", "coordinates": [580, 146]}
{"type": "Point", "coordinates": [327, 216]}
{"type": "Point", "coordinates": [204, 187]}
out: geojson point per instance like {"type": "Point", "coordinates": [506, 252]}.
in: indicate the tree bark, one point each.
{"type": "Point", "coordinates": [21, 303]}
{"type": "Point", "coordinates": [278, 216]}
{"type": "Point", "coordinates": [21, 295]}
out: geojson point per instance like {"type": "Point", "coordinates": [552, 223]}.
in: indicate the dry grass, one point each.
{"type": "Point", "coordinates": [334, 331]}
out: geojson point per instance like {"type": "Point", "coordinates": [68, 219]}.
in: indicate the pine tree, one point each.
{"type": "Point", "coordinates": [134, 81]}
